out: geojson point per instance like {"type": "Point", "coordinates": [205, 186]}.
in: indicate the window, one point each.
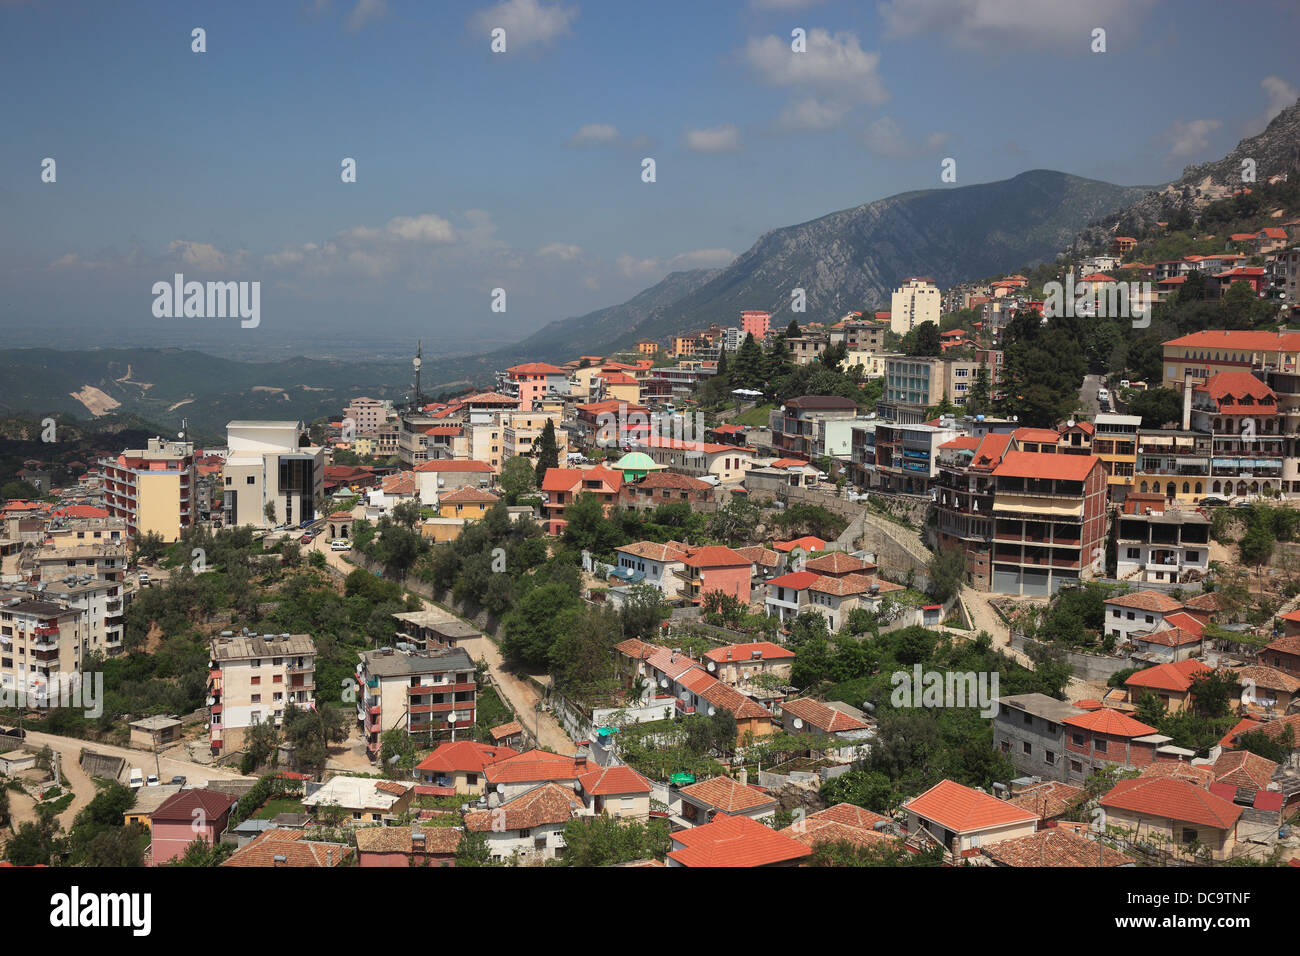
{"type": "Point", "coordinates": [1049, 757]}
{"type": "Point", "coordinates": [1076, 767]}
{"type": "Point", "coordinates": [1189, 835]}
{"type": "Point", "coordinates": [1028, 749]}
{"type": "Point", "coordinates": [255, 680]}
{"type": "Point", "coordinates": [1078, 739]}
{"type": "Point", "coordinates": [1099, 745]}
{"type": "Point", "coordinates": [249, 480]}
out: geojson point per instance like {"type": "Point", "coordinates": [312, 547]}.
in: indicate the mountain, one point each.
{"type": "Point", "coordinates": [853, 259]}
{"type": "Point", "coordinates": [166, 385]}
{"type": "Point", "coordinates": [1274, 152]}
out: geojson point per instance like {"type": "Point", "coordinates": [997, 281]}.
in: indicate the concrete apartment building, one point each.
{"type": "Point", "coordinates": [269, 465]}
{"type": "Point", "coordinates": [533, 382]}
{"type": "Point", "coordinates": [367, 414]}
{"type": "Point", "coordinates": [1158, 542]}
{"type": "Point", "coordinates": [1200, 355]}
{"type": "Point", "coordinates": [794, 425]}
{"type": "Point", "coordinates": [431, 693]}
{"type": "Point", "coordinates": [921, 382]}
{"type": "Point", "coordinates": [103, 608]}
{"type": "Point", "coordinates": [97, 561]}
{"type": "Point", "coordinates": [523, 430]}
{"type": "Point", "coordinates": [755, 322]}
{"type": "Point", "coordinates": [1030, 730]}
{"type": "Point", "coordinates": [252, 679]}
{"type": "Point", "coordinates": [917, 300]}
{"type": "Point", "coordinates": [39, 640]}
{"type": "Point", "coordinates": [152, 488]}
{"type": "Point", "coordinates": [1115, 443]}
{"type": "Point", "coordinates": [907, 456]}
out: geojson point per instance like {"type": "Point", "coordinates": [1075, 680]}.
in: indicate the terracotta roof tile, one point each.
{"type": "Point", "coordinates": [1054, 847]}
{"type": "Point", "coordinates": [728, 795]}
{"type": "Point", "coordinates": [962, 810]}
{"type": "Point", "coordinates": [1155, 601]}
{"type": "Point", "coordinates": [735, 841]}
{"type": "Point", "coordinates": [290, 844]}
{"type": "Point", "coordinates": [826, 719]}
{"type": "Point", "coordinates": [548, 804]}
{"type": "Point", "coordinates": [1174, 799]}
{"type": "Point", "coordinates": [1110, 722]}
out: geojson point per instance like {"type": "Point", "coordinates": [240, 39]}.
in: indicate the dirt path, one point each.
{"type": "Point", "coordinates": [984, 618]}
{"type": "Point", "coordinates": [522, 696]}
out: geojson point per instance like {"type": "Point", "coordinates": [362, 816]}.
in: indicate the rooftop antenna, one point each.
{"type": "Point", "coordinates": [416, 363]}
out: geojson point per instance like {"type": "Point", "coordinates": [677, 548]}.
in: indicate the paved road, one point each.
{"type": "Point", "coordinates": [522, 696]}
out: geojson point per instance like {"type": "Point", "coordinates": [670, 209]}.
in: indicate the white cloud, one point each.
{"type": "Point", "coordinates": [631, 267]}
{"type": "Point", "coordinates": [526, 22]}
{"type": "Point", "coordinates": [423, 228]}
{"type": "Point", "coordinates": [364, 11]}
{"type": "Point", "coordinates": [595, 134]}
{"type": "Point", "coordinates": [716, 139]}
{"type": "Point", "coordinates": [560, 250]}
{"type": "Point", "coordinates": [1281, 94]}
{"type": "Point", "coordinates": [1188, 139]}
{"type": "Point", "coordinates": [204, 256]}
{"type": "Point", "coordinates": [834, 75]}
{"type": "Point", "coordinates": [989, 24]}
{"type": "Point", "coordinates": [886, 137]}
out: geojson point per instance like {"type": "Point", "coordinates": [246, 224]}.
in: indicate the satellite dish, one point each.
{"type": "Point", "coordinates": [712, 666]}
{"type": "Point", "coordinates": [798, 723]}
{"type": "Point", "coordinates": [501, 788]}
{"type": "Point", "coordinates": [416, 362]}
{"type": "Point", "coordinates": [663, 682]}
{"type": "Point", "coordinates": [712, 711]}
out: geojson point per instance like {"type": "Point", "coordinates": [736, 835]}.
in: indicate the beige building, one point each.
{"type": "Point", "coordinates": [39, 641]}
{"type": "Point", "coordinates": [367, 414]}
{"type": "Point", "coordinates": [418, 691]}
{"type": "Point", "coordinates": [102, 562]}
{"type": "Point", "coordinates": [152, 488]}
{"type": "Point", "coordinates": [252, 679]}
{"type": "Point", "coordinates": [524, 429]}
{"type": "Point", "coordinates": [103, 608]}
{"type": "Point", "coordinates": [914, 302]}
{"type": "Point", "coordinates": [268, 466]}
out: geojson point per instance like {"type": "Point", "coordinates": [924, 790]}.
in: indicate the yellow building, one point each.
{"type": "Point", "coordinates": [621, 387]}
{"type": "Point", "coordinates": [467, 503]}
{"type": "Point", "coordinates": [647, 347]}
{"type": "Point", "coordinates": [1115, 443]}
{"type": "Point", "coordinates": [364, 445]}
{"type": "Point", "coordinates": [152, 488]}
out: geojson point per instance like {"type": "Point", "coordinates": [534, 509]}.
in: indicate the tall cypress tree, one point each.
{"type": "Point", "coordinates": [548, 451]}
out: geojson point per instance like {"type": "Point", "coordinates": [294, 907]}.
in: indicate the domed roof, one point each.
{"type": "Point", "coordinates": [636, 461]}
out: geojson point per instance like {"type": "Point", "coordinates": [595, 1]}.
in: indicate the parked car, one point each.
{"type": "Point", "coordinates": [151, 780]}
{"type": "Point", "coordinates": [1103, 395]}
{"type": "Point", "coordinates": [137, 778]}
{"type": "Point", "coordinates": [340, 544]}
{"type": "Point", "coordinates": [178, 781]}
{"type": "Point", "coordinates": [305, 539]}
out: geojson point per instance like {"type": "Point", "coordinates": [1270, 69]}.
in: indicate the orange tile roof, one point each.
{"type": "Point", "coordinates": [298, 851]}
{"type": "Point", "coordinates": [763, 557]}
{"type": "Point", "coordinates": [454, 464]}
{"type": "Point", "coordinates": [614, 780]}
{"type": "Point", "coordinates": [798, 580]}
{"type": "Point", "coordinates": [1054, 847]}
{"type": "Point", "coordinates": [1155, 601]}
{"type": "Point", "coordinates": [724, 697]}
{"type": "Point", "coordinates": [1243, 726]}
{"type": "Point", "coordinates": [464, 756]}
{"type": "Point", "coordinates": [502, 731]}
{"type": "Point", "coordinates": [1242, 340]}
{"type": "Point", "coordinates": [1228, 388]}
{"type": "Point", "coordinates": [1025, 464]}
{"type": "Point", "coordinates": [1173, 799]}
{"type": "Point", "coordinates": [837, 562]}
{"type": "Point", "coordinates": [1110, 722]}
{"type": "Point", "coordinates": [467, 495]}
{"type": "Point", "coordinates": [990, 451]}
{"type": "Point", "coordinates": [1269, 678]}
{"type": "Point", "coordinates": [808, 542]}
{"type": "Point", "coordinates": [714, 556]}
{"type": "Point", "coordinates": [1170, 637]}
{"type": "Point", "coordinates": [735, 841]}
{"type": "Point", "coordinates": [814, 832]}
{"type": "Point", "coordinates": [850, 815]}
{"type": "Point", "coordinates": [533, 765]}
{"type": "Point", "coordinates": [1241, 768]}
{"type": "Point", "coordinates": [1173, 677]}
{"type": "Point", "coordinates": [963, 810]}
{"type": "Point", "coordinates": [727, 795]}
{"type": "Point", "coordinates": [653, 551]}
{"type": "Point", "coordinates": [548, 804]}
{"type": "Point", "coordinates": [853, 584]}
{"type": "Point", "coordinates": [745, 652]}
{"type": "Point", "coordinates": [826, 719]}
{"type": "Point", "coordinates": [1049, 799]}
{"type": "Point", "coordinates": [535, 368]}
{"type": "Point", "coordinates": [442, 841]}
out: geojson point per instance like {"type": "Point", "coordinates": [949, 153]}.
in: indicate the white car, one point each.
{"type": "Point", "coordinates": [1103, 395]}
{"type": "Point", "coordinates": [339, 544]}
{"type": "Point", "coordinates": [151, 780]}
{"type": "Point", "coordinates": [137, 778]}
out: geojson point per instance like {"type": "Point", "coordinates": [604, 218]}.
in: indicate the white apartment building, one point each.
{"type": "Point", "coordinates": [252, 679]}
{"type": "Point", "coordinates": [268, 465]}
{"type": "Point", "coordinates": [917, 300]}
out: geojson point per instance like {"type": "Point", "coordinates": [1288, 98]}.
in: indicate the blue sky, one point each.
{"type": "Point", "coordinates": [522, 170]}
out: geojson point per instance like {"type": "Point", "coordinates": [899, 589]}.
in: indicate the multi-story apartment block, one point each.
{"type": "Point", "coordinates": [756, 323]}
{"type": "Point", "coordinates": [366, 414]}
{"type": "Point", "coordinates": [429, 693]}
{"type": "Point", "coordinates": [806, 349]}
{"type": "Point", "coordinates": [1159, 542]}
{"type": "Point", "coordinates": [794, 430]}
{"type": "Point", "coordinates": [562, 486]}
{"type": "Point", "coordinates": [534, 381]}
{"type": "Point", "coordinates": [386, 440]}
{"type": "Point", "coordinates": [40, 642]}
{"type": "Point", "coordinates": [1241, 415]}
{"type": "Point", "coordinates": [1114, 441]}
{"type": "Point", "coordinates": [917, 300]}
{"type": "Point", "coordinates": [1049, 514]}
{"type": "Point", "coordinates": [152, 488]}
{"type": "Point", "coordinates": [1030, 730]}
{"type": "Point", "coordinates": [964, 500]}
{"type": "Point", "coordinates": [100, 561]}
{"type": "Point", "coordinates": [1201, 355]}
{"type": "Point", "coordinates": [270, 470]}
{"type": "Point", "coordinates": [921, 382]}
{"type": "Point", "coordinates": [907, 456]}
{"type": "Point", "coordinates": [698, 459]}
{"type": "Point", "coordinates": [1172, 463]}
{"type": "Point", "coordinates": [103, 608]}
{"type": "Point", "coordinates": [523, 430]}
{"type": "Point", "coordinates": [647, 347]}
{"type": "Point", "coordinates": [252, 679]}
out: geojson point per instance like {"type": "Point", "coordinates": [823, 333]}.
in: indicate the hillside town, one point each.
{"type": "Point", "coordinates": [682, 605]}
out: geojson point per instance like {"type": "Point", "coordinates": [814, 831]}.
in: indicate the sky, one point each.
{"type": "Point", "coordinates": [523, 170]}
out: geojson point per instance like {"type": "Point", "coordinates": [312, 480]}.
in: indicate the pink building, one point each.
{"type": "Point", "coordinates": [408, 846]}
{"type": "Point", "coordinates": [184, 817]}
{"type": "Point", "coordinates": [534, 379]}
{"type": "Point", "coordinates": [756, 322]}
{"type": "Point", "coordinates": [716, 568]}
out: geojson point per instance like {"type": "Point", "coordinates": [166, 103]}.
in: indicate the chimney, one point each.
{"type": "Point", "coordinates": [580, 760]}
{"type": "Point", "coordinates": [1187, 400]}
{"type": "Point", "coordinates": [744, 777]}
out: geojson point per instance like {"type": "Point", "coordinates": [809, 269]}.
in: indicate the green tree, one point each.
{"type": "Point", "coordinates": [473, 850]}
{"type": "Point", "coordinates": [947, 573]}
{"type": "Point", "coordinates": [547, 452]}
{"type": "Point", "coordinates": [643, 610]}
{"type": "Point", "coordinates": [601, 840]}
{"type": "Point", "coordinates": [518, 477]}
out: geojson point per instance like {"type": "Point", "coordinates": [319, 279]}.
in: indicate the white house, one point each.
{"type": "Point", "coordinates": [531, 825]}
{"type": "Point", "coordinates": [646, 562]}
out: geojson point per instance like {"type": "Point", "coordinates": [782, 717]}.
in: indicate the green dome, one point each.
{"type": "Point", "coordinates": [636, 461]}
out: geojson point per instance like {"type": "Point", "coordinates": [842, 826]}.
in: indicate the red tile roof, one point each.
{"type": "Point", "coordinates": [548, 804]}
{"type": "Point", "coordinates": [963, 810]}
{"type": "Point", "coordinates": [468, 496]}
{"type": "Point", "coordinates": [826, 719]}
{"type": "Point", "coordinates": [837, 562]}
{"type": "Point", "coordinates": [614, 780]}
{"type": "Point", "coordinates": [654, 551]}
{"type": "Point", "coordinates": [728, 795]}
{"type": "Point", "coordinates": [745, 652]}
{"type": "Point", "coordinates": [1054, 847]}
{"type": "Point", "coordinates": [799, 580]}
{"type": "Point", "coordinates": [714, 556]}
{"type": "Point", "coordinates": [1110, 722]}
{"type": "Point", "coordinates": [535, 368]}
{"type": "Point", "coordinates": [1173, 799]}
{"type": "Point", "coordinates": [1155, 601]}
{"type": "Point", "coordinates": [464, 756]}
{"type": "Point", "coordinates": [1229, 388]}
{"type": "Point", "coordinates": [1025, 464]}
{"type": "Point", "coordinates": [807, 542]}
{"type": "Point", "coordinates": [1241, 340]}
{"type": "Point", "coordinates": [453, 465]}
{"type": "Point", "coordinates": [1241, 768]}
{"type": "Point", "coordinates": [533, 766]}
{"type": "Point", "coordinates": [295, 849]}
{"type": "Point", "coordinates": [182, 804]}
{"type": "Point", "coordinates": [735, 841]}
{"type": "Point", "coordinates": [1173, 677]}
